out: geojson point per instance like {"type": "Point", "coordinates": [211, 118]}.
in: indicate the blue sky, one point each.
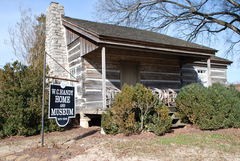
{"type": "Point", "coordinates": [83, 9]}
{"type": "Point", "coordinates": [10, 15]}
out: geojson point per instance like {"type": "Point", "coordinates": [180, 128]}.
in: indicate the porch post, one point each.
{"type": "Point", "coordinates": [181, 73]}
{"type": "Point", "coordinates": [209, 72]}
{"type": "Point", "coordinates": [104, 77]}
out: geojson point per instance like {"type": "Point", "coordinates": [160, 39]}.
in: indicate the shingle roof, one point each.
{"type": "Point", "coordinates": [128, 33]}
{"type": "Point", "coordinates": [219, 59]}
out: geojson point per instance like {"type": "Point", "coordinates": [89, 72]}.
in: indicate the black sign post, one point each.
{"type": "Point", "coordinates": [61, 104]}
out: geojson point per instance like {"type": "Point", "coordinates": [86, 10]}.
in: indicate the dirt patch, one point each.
{"type": "Point", "coordinates": [187, 143]}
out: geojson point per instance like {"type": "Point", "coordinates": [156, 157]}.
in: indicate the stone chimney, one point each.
{"type": "Point", "coordinates": [55, 44]}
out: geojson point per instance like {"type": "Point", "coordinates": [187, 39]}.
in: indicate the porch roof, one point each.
{"type": "Point", "coordinates": [221, 60]}
{"type": "Point", "coordinates": [105, 33]}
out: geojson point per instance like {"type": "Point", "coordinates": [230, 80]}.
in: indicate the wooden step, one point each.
{"type": "Point", "coordinates": [176, 122]}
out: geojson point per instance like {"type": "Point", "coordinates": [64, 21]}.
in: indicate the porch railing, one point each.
{"type": "Point", "coordinates": [111, 92]}
{"type": "Point", "coordinates": [167, 96]}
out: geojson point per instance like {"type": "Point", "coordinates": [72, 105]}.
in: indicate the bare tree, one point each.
{"type": "Point", "coordinates": [191, 18]}
{"type": "Point", "coordinates": [27, 37]}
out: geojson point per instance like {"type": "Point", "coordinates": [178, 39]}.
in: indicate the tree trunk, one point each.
{"type": "Point", "coordinates": [142, 121]}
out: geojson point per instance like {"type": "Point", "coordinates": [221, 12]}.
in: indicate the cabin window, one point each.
{"type": "Point", "coordinates": [202, 76]}
{"type": "Point", "coordinates": [201, 71]}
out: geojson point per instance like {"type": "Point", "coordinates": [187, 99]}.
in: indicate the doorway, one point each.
{"type": "Point", "coordinates": [129, 73]}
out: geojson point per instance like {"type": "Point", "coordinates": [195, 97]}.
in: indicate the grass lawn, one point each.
{"type": "Point", "coordinates": [181, 144]}
{"type": "Point", "coordinates": [207, 141]}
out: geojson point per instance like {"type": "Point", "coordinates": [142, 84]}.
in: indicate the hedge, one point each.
{"type": "Point", "coordinates": [211, 108]}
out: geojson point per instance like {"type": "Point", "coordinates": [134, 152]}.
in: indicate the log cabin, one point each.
{"type": "Point", "coordinates": [104, 56]}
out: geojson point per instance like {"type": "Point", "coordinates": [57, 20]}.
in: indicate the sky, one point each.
{"type": "Point", "coordinates": [82, 9]}
{"type": "Point", "coordinates": [10, 15]}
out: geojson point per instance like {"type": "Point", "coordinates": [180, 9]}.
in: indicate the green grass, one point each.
{"type": "Point", "coordinates": [227, 143]}
{"type": "Point", "coordinates": [192, 139]}
{"type": "Point", "coordinates": [219, 142]}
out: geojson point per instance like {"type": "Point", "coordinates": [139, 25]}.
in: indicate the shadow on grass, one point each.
{"type": "Point", "coordinates": [89, 133]}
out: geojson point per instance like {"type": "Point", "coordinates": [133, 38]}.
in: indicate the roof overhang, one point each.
{"type": "Point", "coordinates": [102, 40]}
{"type": "Point", "coordinates": [219, 60]}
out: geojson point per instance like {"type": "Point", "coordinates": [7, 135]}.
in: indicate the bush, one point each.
{"type": "Point", "coordinates": [160, 122]}
{"type": "Point", "coordinates": [108, 124]}
{"type": "Point", "coordinates": [191, 100]}
{"type": "Point", "coordinates": [210, 108]}
{"type": "Point", "coordinates": [20, 105]}
{"type": "Point", "coordinates": [136, 109]}
{"type": "Point", "coordinates": [123, 111]}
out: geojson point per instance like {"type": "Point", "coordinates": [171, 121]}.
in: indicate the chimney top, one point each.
{"type": "Point", "coordinates": [54, 3]}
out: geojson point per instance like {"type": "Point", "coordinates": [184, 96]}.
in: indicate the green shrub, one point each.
{"type": "Point", "coordinates": [160, 122]}
{"type": "Point", "coordinates": [108, 124]}
{"type": "Point", "coordinates": [210, 108]}
{"type": "Point", "coordinates": [145, 102]}
{"type": "Point", "coordinates": [191, 101]}
{"type": "Point", "coordinates": [20, 105]}
{"type": "Point", "coordinates": [136, 109]}
{"type": "Point", "coordinates": [123, 111]}
{"type": "Point", "coordinates": [226, 105]}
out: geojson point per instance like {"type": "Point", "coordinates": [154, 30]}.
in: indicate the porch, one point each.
{"type": "Point", "coordinates": [108, 68]}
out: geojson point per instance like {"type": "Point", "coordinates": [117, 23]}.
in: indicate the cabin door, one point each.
{"type": "Point", "coordinates": [129, 73]}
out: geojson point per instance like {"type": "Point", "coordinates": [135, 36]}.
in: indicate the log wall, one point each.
{"type": "Point", "coordinates": [78, 46]}
{"type": "Point", "coordinates": [155, 70]}
{"type": "Point", "coordinates": [192, 72]}
{"type": "Point", "coordinates": [158, 71]}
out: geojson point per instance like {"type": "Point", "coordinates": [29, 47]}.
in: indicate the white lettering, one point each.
{"type": "Point", "coordinates": [62, 99]}
{"type": "Point", "coordinates": [61, 111]}
{"type": "Point", "coordinates": [53, 91]}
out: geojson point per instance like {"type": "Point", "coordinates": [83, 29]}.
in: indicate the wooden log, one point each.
{"type": "Point", "coordinates": [74, 49]}
{"type": "Point", "coordinates": [94, 64]}
{"type": "Point", "coordinates": [93, 96]}
{"type": "Point", "coordinates": [71, 36]}
{"type": "Point", "coordinates": [98, 75]}
{"type": "Point", "coordinates": [162, 85]}
{"type": "Point", "coordinates": [144, 59]}
{"type": "Point", "coordinates": [115, 51]}
{"type": "Point", "coordinates": [93, 105]}
{"type": "Point", "coordinates": [159, 68]}
{"type": "Point", "coordinates": [218, 74]}
{"type": "Point", "coordinates": [75, 62]}
{"type": "Point", "coordinates": [189, 77]}
{"type": "Point", "coordinates": [219, 80]}
{"type": "Point", "coordinates": [154, 76]}
{"type": "Point", "coordinates": [74, 56]}
{"type": "Point", "coordinates": [86, 46]}
{"type": "Point", "coordinates": [97, 84]}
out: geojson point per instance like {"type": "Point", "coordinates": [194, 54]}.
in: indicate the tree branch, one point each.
{"type": "Point", "coordinates": [190, 18]}
{"type": "Point", "coordinates": [234, 3]}
{"type": "Point", "coordinates": [220, 22]}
